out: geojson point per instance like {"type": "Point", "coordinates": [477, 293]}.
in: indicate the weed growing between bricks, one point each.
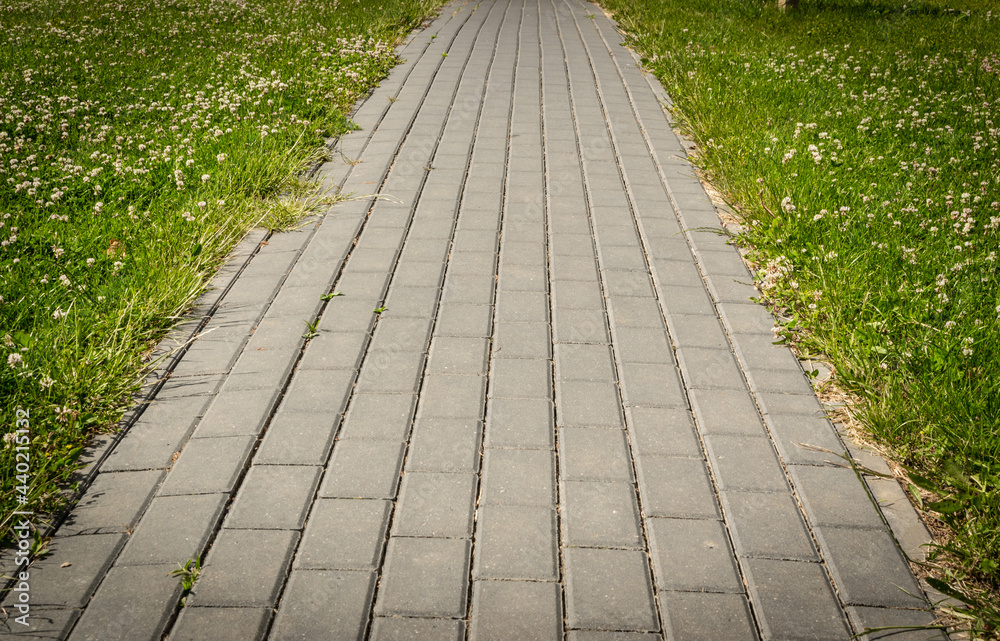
{"type": "Point", "coordinates": [860, 144]}
{"type": "Point", "coordinates": [138, 144]}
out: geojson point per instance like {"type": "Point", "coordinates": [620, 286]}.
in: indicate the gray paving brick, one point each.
{"type": "Point", "coordinates": [452, 397]}
{"type": "Point", "coordinates": [626, 258]}
{"type": "Point", "coordinates": [652, 385]}
{"type": "Point", "coordinates": [468, 289]}
{"type": "Point", "coordinates": [522, 340]}
{"type": "Point", "coordinates": [797, 436]}
{"type": "Point", "coordinates": [344, 534]}
{"type": "Point", "coordinates": [745, 463]}
{"type": "Point", "coordinates": [721, 411]}
{"type": "Point", "coordinates": [580, 326]}
{"type": "Point", "coordinates": [781, 381]}
{"type": "Point", "coordinates": [767, 525]}
{"type": "Point", "coordinates": [183, 386]}
{"type": "Point", "coordinates": [600, 514]}
{"type": "Point", "coordinates": [572, 245]}
{"type": "Point", "coordinates": [772, 403]}
{"type": "Point", "coordinates": [518, 477]}
{"type": "Point", "coordinates": [318, 390]}
{"type": "Point", "coordinates": [174, 529]}
{"type": "Point", "coordinates": [588, 403]}
{"type": "Point", "coordinates": [274, 497]}
{"type": "Point", "coordinates": [573, 267]}
{"type": "Point", "coordinates": [401, 334]}
{"type": "Point", "coordinates": [643, 345]}
{"type": "Point", "coordinates": [634, 311]}
{"type": "Point", "coordinates": [245, 568]}
{"type": "Point", "coordinates": [520, 306]}
{"type": "Point", "coordinates": [419, 274]}
{"type": "Point", "coordinates": [663, 431]}
{"type": "Point", "coordinates": [521, 378]}
{"type": "Point", "coordinates": [529, 611]}
{"type": "Point", "coordinates": [594, 454]}
{"type": "Point", "coordinates": [577, 294]}
{"type": "Point", "coordinates": [208, 466]}
{"type": "Point", "coordinates": [692, 555]}
{"type": "Point", "coordinates": [414, 629]}
{"type": "Point", "coordinates": [584, 362]}
{"type": "Point", "coordinates": [726, 289]}
{"type": "Point", "coordinates": [520, 423]}
{"type": "Point", "coordinates": [435, 504]}
{"type": "Point", "coordinates": [329, 604]}
{"type": "Point", "coordinates": [710, 369]}
{"type": "Point", "coordinates": [390, 371]}
{"type": "Point", "coordinates": [426, 250]}
{"type": "Point", "coordinates": [237, 413]}
{"type": "Point", "coordinates": [676, 487]}
{"type": "Point", "coordinates": [70, 573]}
{"type": "Point", "coordinates": [516, 542]}
{"type": "Point", "coordinates": [458, 355]}
{"type": "Point", "coordinates": [42, 624]}
{"type": "Point", "coordinates": [112, 504]}
{"type": "Point", "coordinates": [379, 416]}
{"type": "Point", "coordinates": [525, 278]}
{"type": "Point", "coordinates": [595, 635]}
{"type": "Point", "coordinates": [362, 285]}
{"type": "Point", "coordinates": [679, 299]}
{"type": "Point", "coordinates": [609, 590]}
{"type": "Point", "coordinates": [706, 616]}
{"type": "Point", "coordinates": [481, 264]}
{"type": "Point", "coordinates": [413, 302]}
{"type": "Point", "coordinates": [363, 469]}
{"type": "Point", "coordinates": [697, 330]}
{"type": "Point", "coordinates": [463, 319]}
{"type": "Point", "coordinates": [867, 568]}
{"type": "Point", "coordinates": [424, 577]}
{"type": "Point", "coordinates": [194, 624]}
{"type": "Point", "coordinates": [793, 600]}
{"type": "Point", "coordinates": [133, 603]}
{"type": "Point", "coordinates": [834, 496]}
{"type": "Point", "coordinates": [348, 314]}
{"type": "Point", "coordinates": [298, 438]}
{"type": "Point", "coordinates": [864, 618]}
{"type": "Point", "coordinates": [445, 445]}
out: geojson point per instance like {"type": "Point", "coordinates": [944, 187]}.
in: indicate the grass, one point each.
{"type": "Point", "coordinates": [138, 143]}
{"type": "Point", "coordinates": [859, 140]}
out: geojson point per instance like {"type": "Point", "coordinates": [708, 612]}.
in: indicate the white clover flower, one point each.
{"type": "Point", "coordinates": [58, 251]}
{"type": "Point", "coordinates": [59, 314]}
{"type": "Point", "coordinates": [46, 383]}
{"type": "Point", "coordinates": [64, 279]}
{"type": "Point", "coordinates": [14, 360]}
{"type": "Point", "coordinates": [204, 178]}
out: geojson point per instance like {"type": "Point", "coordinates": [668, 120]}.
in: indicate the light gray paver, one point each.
{"type": "Point", "coordinates": [609, 590]}
{"type": "Point", "coordinates": [692, 555]}
{"type": "Point", "coordinates": [112, 504]}
{"type": "Point", "coordinates": [794, 601]}
{"type": "Point", "coordinates": [174, 529]}
{"type": "Point", "coordinates": [424, 577]}
{"type": "Point", "coordinates": [529, 611]}
{"type": "Point", "coordinates": [516, 542]}
{"type": "Point", "coordinates": [706, 616]}
{"type": "Point", "coordinates": [245, 568]}
{"type": "Point", "coordinates": [274, 497]}
{"type": "Point", "coordinates": [194, 624]}
{"type": "Point", "coordinates": [413, 629]}
{"type": "Point", "coordinates": [132, 604]}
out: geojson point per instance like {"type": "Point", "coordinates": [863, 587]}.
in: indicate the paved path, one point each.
{"type": "Point", "coordinates": [569, 423]}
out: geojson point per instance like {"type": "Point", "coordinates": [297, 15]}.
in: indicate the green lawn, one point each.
{"type": "Point", "coordinates": [860, 142]}
{"type": "Point", "coordinates": [139, 141]}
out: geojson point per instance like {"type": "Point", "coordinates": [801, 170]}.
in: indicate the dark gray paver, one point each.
{"type": "Point", "coordinates": [742, 463]}
{"type": "Point", "coordinates": [328, 604]}
{"type": "Point", "coordinates": [526, 610]}
{"type": "Point", "coordinates": [363, 469]}
{"type": "Point", "coordinates": [706, 616]}
{"type": "Point", "coordinates": [40, 624]}
{"type": "Point", "coordinates": [424, 577]}
{"type": "Point", "coordinates": [195, 624]}
{"type": "Point", "coordinates": [298, 438]}
{"type": "Point", "coordinates": [519, 477]}
{"type": "Point", "coordinates": [864, 618]}
{"type": "Point", "coordinates": [794, 601]}
{"type": "Point", "coordinates": [663, 431]}
{"type": "Point", "coordinates": [208, 466]}
{"type": "Point", "coordinates": [413, 629]}
{"type": "Point", "coordinates": [70, 573]}
{"type": "Point", "coordinates": [174, 529]}
{"type": "Point", "coordinates": [676, 487]}
{"type": "Point", "coordinates": [767, 525]}
{"type": "Point", "coordinates": [445, 445]}
{"type": "Point", "coordinates": [113, 503]}
{"type": "Point", "coordinates": [867, 568]}
{"type": "Point", "coordinates": [600, 514]}
{"type": "Point", "coordinates": [274, 497]}
{"type": "Point", "coordinates": [379, 416]}
{"type": "Point", "coordinates": [833, 496]}
{"type": "Point", "coordinates": [160, 432]}
{"type": "Point", "coordinates": [132, 604]}
{"type": "Point", "coordinates": [435, 504]}
{"type": "Point", "coordinates": [594, 453]}
{"type": "Point", "coordinates": [344, 534]}
{"type": "Point", "coordinates": [516, 542]}
{"type": "Point", "coordinates": [520, 423]}
{"type": "Point", "coordinates": [692, 555]}
{"type": "Point", "coordinates": [245, 568]}
{"type": "Point", "coordinates": [609, 590]}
